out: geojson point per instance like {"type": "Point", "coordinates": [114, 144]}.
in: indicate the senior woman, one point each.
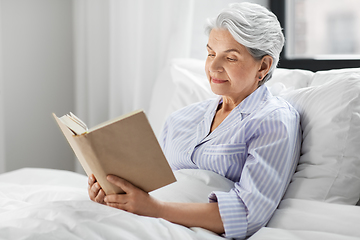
{"type": "Point", "coordinates": [246, 134]}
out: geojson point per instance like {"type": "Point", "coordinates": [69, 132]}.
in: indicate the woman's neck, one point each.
{"type": "Point", "coordinates": [224, 109]}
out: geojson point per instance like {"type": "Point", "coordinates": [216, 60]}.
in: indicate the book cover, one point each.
{"type": "Point", "coordinates": [125, 147]}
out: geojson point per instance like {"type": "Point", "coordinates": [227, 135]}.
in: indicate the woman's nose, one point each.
{"type": "Point", "coordinates": [216, 65]}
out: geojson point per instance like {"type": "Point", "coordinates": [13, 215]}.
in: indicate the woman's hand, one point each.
{"type": "Point", "coordinates": [95, 191]}
{"type": "Point", "coordinates": [134, 200]}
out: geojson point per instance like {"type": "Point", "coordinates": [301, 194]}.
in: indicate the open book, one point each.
{"type": "Point", "coordinates": [125, 147]}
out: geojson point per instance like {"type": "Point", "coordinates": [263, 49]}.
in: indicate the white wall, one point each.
{"type": "Point", "coordinates": [37, 57]}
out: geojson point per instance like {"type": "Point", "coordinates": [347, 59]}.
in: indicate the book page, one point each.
{"type": "Point", "coordinates": [72, 125]}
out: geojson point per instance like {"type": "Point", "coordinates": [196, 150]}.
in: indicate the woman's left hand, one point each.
{"type": "Point", "coordinates": [134, 200]}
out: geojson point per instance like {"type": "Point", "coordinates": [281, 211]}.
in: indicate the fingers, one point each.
{"type": "Point", "coordinates": [100, 197]}
{"type": "Point", "coordinates": [122, 183]}
{"type": "Point", "coordinates": [129, 201]}
{"type": "Point", "coordinates": [134, 201]}
{"type": "Point", "coordinates": [121, 201]}
{"type": "Point", "coordinates": [91, 179]}
{"type": "Point", "coordinates": [116, 198]}
{"type": "Point", "coordinates": [95, 192]}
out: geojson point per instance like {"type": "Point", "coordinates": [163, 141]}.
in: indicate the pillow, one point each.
{"type": "Point", "coordinates": [289, 79]}
{"type": "Point", "coordinates": [329, 166]}
{"type": "Point", "coordinates": [162, 93]}
{"type": "Point", "coordinates": [191, 84]}
{"type": "Point", "coordinates": [322, 77]}
{"type": "Point", "coordinates": [193, 185]}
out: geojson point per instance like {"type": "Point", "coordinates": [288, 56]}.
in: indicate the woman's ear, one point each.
{"type": "Point", "coordinates": [266, 63]}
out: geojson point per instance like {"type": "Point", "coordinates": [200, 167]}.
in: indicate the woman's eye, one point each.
{"type": "Point", "coordinates": [231, 59]}
{"type": "Point", "coordinates": [211, 55]}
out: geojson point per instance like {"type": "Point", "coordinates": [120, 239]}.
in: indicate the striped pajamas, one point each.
{"type": "Point", "coordinates": [257, 146]}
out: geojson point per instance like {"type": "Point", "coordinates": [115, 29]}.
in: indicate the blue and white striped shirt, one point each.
{"type": "Point", "coordinates": [257, 146]}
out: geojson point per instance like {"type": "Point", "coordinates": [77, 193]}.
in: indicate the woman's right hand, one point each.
{"type": "Point", "coordinates": [96, 193]}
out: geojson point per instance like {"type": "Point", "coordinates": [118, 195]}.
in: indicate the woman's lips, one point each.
{"type": "Point", "coordinates": [216, 80]}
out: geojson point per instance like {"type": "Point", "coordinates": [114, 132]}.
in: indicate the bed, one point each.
{"type": "Point", "coordinates": [320, 203]}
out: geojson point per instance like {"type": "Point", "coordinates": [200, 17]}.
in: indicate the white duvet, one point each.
{"type": "Point", "coordinates": [53, 204]}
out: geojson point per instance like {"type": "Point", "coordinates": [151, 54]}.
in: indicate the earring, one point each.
{"type": "Point", "coordinates": [260, 77]}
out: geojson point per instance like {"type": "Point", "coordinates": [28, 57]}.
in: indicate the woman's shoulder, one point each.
{"type": "Point", "coordinates": [274, 105]}
{"type": "Point", "coordinates": [285, 105]}
{"type": "Point", "coordinates": [283, 111]}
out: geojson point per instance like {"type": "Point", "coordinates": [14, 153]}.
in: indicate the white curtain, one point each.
{"type": "Point", "coordinates": [2, 124]}
{"type": "Point", "coordinates": [121, 47]}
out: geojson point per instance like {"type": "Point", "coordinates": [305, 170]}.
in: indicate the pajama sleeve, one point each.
{"type": "Point", "coordinates": [272, 155]}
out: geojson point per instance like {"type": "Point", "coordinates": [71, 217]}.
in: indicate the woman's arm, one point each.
{"type": "Point", "coordinates": [205, 215]}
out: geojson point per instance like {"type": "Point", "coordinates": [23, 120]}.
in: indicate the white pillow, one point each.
{"type": "Point", "coordinates": [193, 185]}
{"type": "Point", "coordinates": [329, 166]}
{"type": "Point", "coordinates": [322, 77]}
{"type": "Point", "coordinates": [162, 93]}
{"type": "Point", "coordinates": [191, 84]}
{"type": "Point", "coordinates": [289, 79]}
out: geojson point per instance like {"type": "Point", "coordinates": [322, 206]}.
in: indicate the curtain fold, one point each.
{"type": "Point", "coordinates": [91, 54]}
{"type": "Point", "coordinates": [2, 117]}
{"type": "Point", "coordinates": [121, 48]}
{"type": "Point", "coordinates": [144, 35]}
{"type": "Point", "coordinates": [2, 124]}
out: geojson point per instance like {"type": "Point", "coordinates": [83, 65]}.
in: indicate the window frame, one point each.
{"type": "Point", "coordinates": [278, 8]}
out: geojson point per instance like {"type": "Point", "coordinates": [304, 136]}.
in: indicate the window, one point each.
{"type": "Point", "coordinates": [323, 29]}
{"type": "Point", "coordinates": [320, 34]}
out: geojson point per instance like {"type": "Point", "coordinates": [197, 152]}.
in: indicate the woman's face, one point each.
{"type": "Point", "coordinates": [231, 70]}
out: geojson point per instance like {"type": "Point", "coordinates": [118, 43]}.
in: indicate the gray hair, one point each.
{"type": "Point", "coordinates": [254, 27]}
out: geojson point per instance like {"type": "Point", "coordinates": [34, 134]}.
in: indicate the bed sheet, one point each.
{"type": "Point", "coordinates": [53, 204]}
